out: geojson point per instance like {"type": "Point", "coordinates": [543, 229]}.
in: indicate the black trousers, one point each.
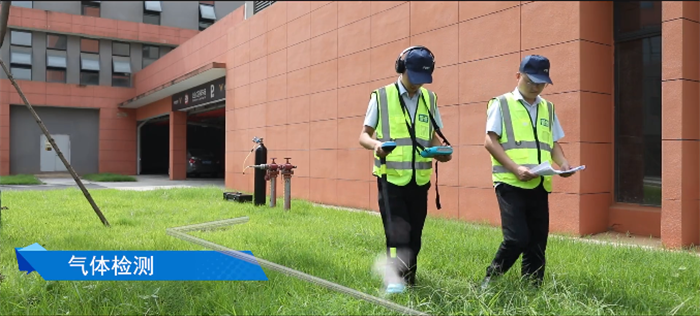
{"type": "Point", "coordinates": [408, 208]}
{"type": "Point", "coordinates": [525, 225]}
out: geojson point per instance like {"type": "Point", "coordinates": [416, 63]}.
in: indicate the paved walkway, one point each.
{"type": "Point", "coordinates": [143, 183]}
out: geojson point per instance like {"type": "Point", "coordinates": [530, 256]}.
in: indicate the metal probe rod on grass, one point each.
{"type": "Point", "coordinates": [4, 17]}
{"type": "Point", "coordinates": [178, 233]}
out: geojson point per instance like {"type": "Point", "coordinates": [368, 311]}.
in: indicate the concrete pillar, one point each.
{"type": "Point", "coordinates": [680, 214]}
{"type": "Point", "coordinates": [178, 145]}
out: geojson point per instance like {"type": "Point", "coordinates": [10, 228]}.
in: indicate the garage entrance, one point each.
{"type": "Point", "coordinates": [154, 146]}
{"type": "Point", "coordinates": [206, 141]}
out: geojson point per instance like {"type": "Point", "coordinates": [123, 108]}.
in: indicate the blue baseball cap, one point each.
{"type": "Point", "coordinates": [536, 67]}
{"type": "Point", "coordinates": [419, 66]}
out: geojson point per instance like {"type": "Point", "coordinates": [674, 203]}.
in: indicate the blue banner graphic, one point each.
{"type": "Point", "coordinates": [102, 265]}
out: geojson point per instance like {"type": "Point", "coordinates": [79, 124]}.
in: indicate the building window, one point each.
{"type": "Point", "coordinates": [260, 5]}
{"type": "Point", "coordinates": [56, 41]}
{"type": "Point", "coordinates": [23, 4]}
{"type": "Point", "coordinates": [151, 12]}
{"type": "Point", "coordinates": [91, 8]}
{"type": "Point", "coordinates": [121, 49]}
{"type": "Point", "coordinates": [88, 45]}
{"type": "Point", "coordinates": [207, 16]}
{"type": "Point", "coordinates": [21, 38]}
{"type": "Point", "coordinates": [56, 61]}
{"type": "Point", "coordinates": [121, 64]}
{"type": "Point", "coordinates": [637, 103]}
{"type": "Point", "coordinates": [55, 65]}
{"type": "Point", "coordinates": [89, 61]}
{"type": "Point", "coordinates": [121, 71]}
{"type": "Point", "coordinates": [21, 55]}
{"type": "Point", "coordinates": [150, 55]}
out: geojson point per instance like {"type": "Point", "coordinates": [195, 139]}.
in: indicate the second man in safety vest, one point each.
{"type": "Point", "coordinates": [522, 131]}
{"type": "Point", "coordinates": [397, 112]}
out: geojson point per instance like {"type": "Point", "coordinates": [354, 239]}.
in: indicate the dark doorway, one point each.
{"type": "Point", "coordinates": [206, 142]}
{"type": "Point", "coordinates": [155, 146]}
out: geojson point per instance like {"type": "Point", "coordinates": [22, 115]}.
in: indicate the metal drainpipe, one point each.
{"type": "Point", "coordinates": [138, 145]}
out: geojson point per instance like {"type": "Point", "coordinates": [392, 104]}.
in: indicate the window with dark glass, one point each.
{"type": "Point", "coordinates": [89, 61]}
{"type": "Point", "coordinates": [23, 4]}
{"type": "Point", "coordinates": [121, 64]}
{"type": "Point", "coordinates": [56, 60]}
{"type": "Point", "coordinates": [151, 12]}
{"type": "Point", "coordinates": [91, 8]}
{"type": "Point", "coordinates": [21, 55]}
{"type": "Point", "coordinates": [89, 78]}
{"type": "Point", "coordinates": [151, 18]}
{"type": "Point", "coordinates": [56, 41]}
{"type": "Point", "coordinates": [207, 16]}
{"type": "Point", "coordinates": [121, 49]}
{"type": "Point", "coordinates": [638, 102]}
{"type": "Point", "coordinates": [150, 54]}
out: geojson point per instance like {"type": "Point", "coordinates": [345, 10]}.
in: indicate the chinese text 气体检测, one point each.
{"type": "Point", "coordinates": [143, 265]}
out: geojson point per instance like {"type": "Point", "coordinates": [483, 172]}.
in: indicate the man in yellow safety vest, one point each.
{"type": "Point", "coordinates": [406, 113]}
{"type": "Point", "coordinates": [522, 131]}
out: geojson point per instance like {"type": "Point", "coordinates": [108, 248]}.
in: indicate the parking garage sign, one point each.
{"type": "Point", "coordinates": [212, 91]}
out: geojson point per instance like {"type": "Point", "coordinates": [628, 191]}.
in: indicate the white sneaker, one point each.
{"type": "Point", "coordinates": [394, 288]}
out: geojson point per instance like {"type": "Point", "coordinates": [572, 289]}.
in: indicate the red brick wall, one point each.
{"type": "Point", "coordinates": [300, 74]}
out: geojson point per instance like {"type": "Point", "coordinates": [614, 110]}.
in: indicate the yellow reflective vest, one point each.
{"type": "Point", "coordinates": [525, 144]}
{"type": "Point", "coordinates": [391, 125]}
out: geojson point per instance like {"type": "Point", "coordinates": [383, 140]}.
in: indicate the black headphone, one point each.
{"type": "Point", "coordinates": [400, 65]}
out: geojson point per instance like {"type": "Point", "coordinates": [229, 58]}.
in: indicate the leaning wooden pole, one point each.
{"type": "Point", "coordinates": [4, 17]}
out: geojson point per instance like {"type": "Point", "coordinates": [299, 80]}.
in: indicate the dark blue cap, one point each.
{"type": "Point", "coordinates": [536, 67]}
{"type": "Point", "coordinates": [419, 66]}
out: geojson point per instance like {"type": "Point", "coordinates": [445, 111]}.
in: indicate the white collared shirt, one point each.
{"type": "Point", "coordinates": [494, 124]}
{"type": "Point", "coordinates": [411, 103]}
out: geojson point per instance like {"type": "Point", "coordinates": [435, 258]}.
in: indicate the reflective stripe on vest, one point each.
{"type": "Point", "coordinates": [511, 145]}
{"type": "Point", "coordinates": [392, 126]}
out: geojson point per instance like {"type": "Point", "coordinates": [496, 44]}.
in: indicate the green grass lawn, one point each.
{"type": "Point", "coordinates": [20, 179]}
{"type": "Point", "coordinates": [340, 246]}
{"type": "Point", "coordinates": [108, 177]}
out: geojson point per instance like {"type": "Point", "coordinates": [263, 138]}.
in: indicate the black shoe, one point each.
{"type": "Point", "coordinates": [411, 281]}
{"type": "Point", "coordinates": [409, 278]}
{"type": "Point", "coordinates": [532, 280]}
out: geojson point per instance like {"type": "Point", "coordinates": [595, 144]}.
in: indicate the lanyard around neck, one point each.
{"type": "Point", "coordinates": [411, 126]}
